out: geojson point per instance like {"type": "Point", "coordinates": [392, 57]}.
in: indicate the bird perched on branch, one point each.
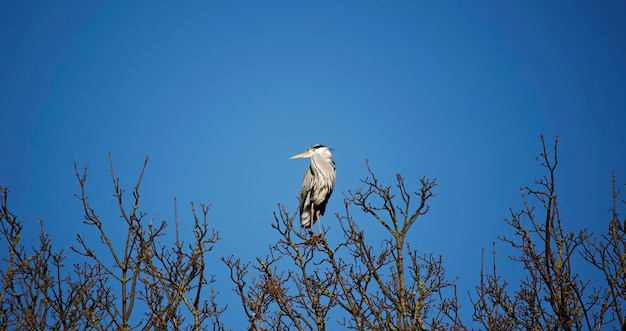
{"type": "Point", "coordinates": [317, 184]}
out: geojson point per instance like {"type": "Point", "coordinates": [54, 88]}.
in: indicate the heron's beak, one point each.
{"type": "Point", "coordinates": [301, 155]}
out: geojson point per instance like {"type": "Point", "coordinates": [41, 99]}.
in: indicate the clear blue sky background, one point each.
{"type": "Point", "coordinates": [221, 93]}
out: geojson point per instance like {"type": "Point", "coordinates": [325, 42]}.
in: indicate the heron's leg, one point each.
{"type": "Point", "coordinates": [312, 213]}
{"type": "Point", "coordinates": [319, 221]}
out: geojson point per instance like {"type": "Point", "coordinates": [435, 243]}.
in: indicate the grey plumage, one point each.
{"type": "Point", "coordinates": [317, 184]}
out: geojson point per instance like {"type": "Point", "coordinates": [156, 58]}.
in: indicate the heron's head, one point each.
{"type": "Point", "coordinates": [317, 149]}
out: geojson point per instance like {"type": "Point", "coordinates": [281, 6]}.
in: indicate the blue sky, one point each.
{"type": "Point", "coordinates": [221, 93]}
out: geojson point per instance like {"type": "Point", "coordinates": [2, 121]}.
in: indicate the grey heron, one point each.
{"type": "Point", "coordinates": [317, 184]}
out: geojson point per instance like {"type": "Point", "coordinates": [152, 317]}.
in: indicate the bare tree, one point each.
{"type": "Point", "coordinates": [308, 282]}
{"type": "Point", "coordinates": [28, 278]}
{"type": "Point", "coordinates": [15, 260]}
{"type": "Point", "coordinates": [400, 289]}
{"type": "Point", "coordinates": [166, 279]}
{"type": "Point", "coordinates": [290, 295]}
{"type": "Point", "coordinates": [608, 255]}
{"type": "Point", "coordinates": [552, 295]}
{"type": "Point", "coordinates": [176, 278]}
{"type": "Point", "coordinates": [395, 288]}
{"type": "Point", "coordinates": [39, 293]}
